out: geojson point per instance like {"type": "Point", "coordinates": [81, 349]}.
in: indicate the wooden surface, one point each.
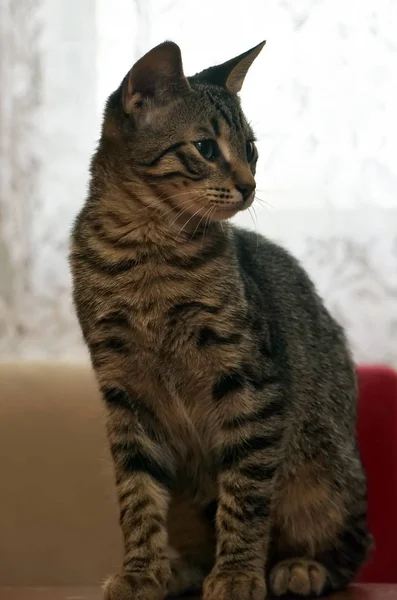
{"type": "Point", "coordinates": [358, 592]}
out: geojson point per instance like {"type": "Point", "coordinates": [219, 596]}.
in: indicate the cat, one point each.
{"type": "Point", "coordinates": [230, 392]}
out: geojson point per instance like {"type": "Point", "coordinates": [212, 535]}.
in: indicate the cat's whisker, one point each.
{"type": "Point", "coordinates": [191, 202]}
{"type": "Point", "coordinates": [273, 191]}
{"type": "Point", "coordinates": [256, 225]}
{"type": "Point", "coordinates": [188, 221]}
{"type": "Point", "coordinates": [191, 216]}
{"type": "Point", "coordinates": [163, 198]}
{"type": "Point", "coordinates": [185, 205]}
{"type": "Point", "coordinates": [181, 194]}
{"type": "Point", "coordinates": [211, 210]}
{"type": "Point", "coordinates": [199, 223]}
{"type": "Point", "coordinates": [263, 201]}
{"type": "Point", "coordinates": [269, 209]}
{"type": "Point", "coordinates": [180, 209]}
{"type": "Point", "coordinates": [255, 215]}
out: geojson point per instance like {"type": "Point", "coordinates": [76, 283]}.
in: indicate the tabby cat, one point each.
{"type": "Point", "coordinates": [230, 394]}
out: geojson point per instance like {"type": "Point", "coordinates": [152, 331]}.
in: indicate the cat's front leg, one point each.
{"type": "Point", "coordinates": [250, 455]}
{"type": "Point", "coordinates": [242, 524]}
{"type": "Point", "coordinates": [144, 473]}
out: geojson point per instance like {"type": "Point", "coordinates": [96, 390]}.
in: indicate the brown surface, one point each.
{"type": "Point", "coordinates": [364, 592]}
{"type": "Point", "coordinates": [58, 517]}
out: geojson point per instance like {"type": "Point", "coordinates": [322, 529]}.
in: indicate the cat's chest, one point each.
{"type": "Point", "coordinates": [190, 333]}
{"type": "Point", "coordinates": [180, 315]}
{"type": "Point", "coordinates": [200, 339]}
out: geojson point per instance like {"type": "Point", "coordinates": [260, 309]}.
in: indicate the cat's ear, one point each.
{"type": "Point", "coordinates": [231, 74]}
{"type": "Point", "coordinates": [155, 78]}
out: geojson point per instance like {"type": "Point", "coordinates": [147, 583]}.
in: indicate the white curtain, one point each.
{"type": "Point", "coordinates": [321, 97]}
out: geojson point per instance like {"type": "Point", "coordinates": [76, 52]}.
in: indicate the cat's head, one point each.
{"type": "Point", "coordinates": [185, 139]}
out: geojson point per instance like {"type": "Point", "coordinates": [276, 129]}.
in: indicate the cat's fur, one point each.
{"type": "Point", "coordinates": [230, 394]}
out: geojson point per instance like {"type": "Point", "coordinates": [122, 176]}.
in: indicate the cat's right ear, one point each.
{"type": "Point", "coordinates": [155, 79]}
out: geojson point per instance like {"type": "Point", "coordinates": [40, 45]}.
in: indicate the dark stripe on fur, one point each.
{"type": "Point", "coordinates": [136, 511]}
{"type": "Point", "coordinates": [219, 108]}
{"type": "Point", "coordinates": [113, 319]}
{"type": "Point", "coordinates": [236, 556]}
{"type": "Point", "coordinates": [256, 506]}
{"type": "Point", "coordinates": [134, 460]}
{"type": "Point", "coordinates": [141, 519]}
{"type": "Point", "coordinates": [117, 397]}
{"type": "Point", "coordinates": [134, 565]}
{"type": "Point", "coordinates": [184, 307]}
{"type": "Point", "coordinates": [137, 507]}
{"type": "Point", "coordinates": [101, 232]}
{"type": "Point", "coordinates": [112, 343]}
{"type": "Point", "coordinates": [232, 513]}
{"type": "Point", "coordinates": [141, 410]}
{"type": "Point", "coordinates": [99, 264]}
{"type": "Point", "coordinates": [259, 380]}
{"type": "Point", "coordinates": [234, 453]}
{"type": "Point", "coordinates": [170, 175]}
{"type": "Point", "coordinates": [123, 512]}
{"type": "Point", "coordinates": [251, 507]}
{"type": "Point", "coordinates": [270, 409]}
{"type": "Point", "coordinates": [203, 256]}
{"type": "Point", "coordinates": [237, 120]}
{"type": "Point", "coordinates": [209, 337]}
{"type": "Point", "coordinates": [147, 534]}
{"type": "Point", "coordinates": [227, 383]}
{"type": "Point", "coordinates": [258, 472]}
{"type": "Point", "coordinates": [156, 160]}
{"type": "Point", "coordinates": [189, 163]}
{"type": "Point", "coordinates": [215, 127]}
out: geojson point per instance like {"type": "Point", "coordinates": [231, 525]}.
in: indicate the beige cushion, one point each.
{"type": "Point", "coordinates": [58, 514]}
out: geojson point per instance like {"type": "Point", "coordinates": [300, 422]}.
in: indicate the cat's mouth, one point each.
{"type": "Point", "coordinates": [226, 210]}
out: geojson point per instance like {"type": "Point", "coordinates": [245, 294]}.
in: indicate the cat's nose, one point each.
{"type": "Point", "coordinates": [245, 189]}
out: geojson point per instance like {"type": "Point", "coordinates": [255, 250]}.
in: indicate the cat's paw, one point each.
{"type": "Point", "coordinates": [133, 587]}
{"type": "Point", "coordinates": [221, 585]}
{"type": "Point", "coordinates": [300, 576]}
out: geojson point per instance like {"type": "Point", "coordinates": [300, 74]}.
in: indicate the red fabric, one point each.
{"type": "Point", "coordinates": [377, 436]}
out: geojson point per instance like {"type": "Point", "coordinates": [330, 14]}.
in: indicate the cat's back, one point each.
{"type": "Point", "coordinates": [309, 344]}
{"type": "Point", "coordinates": [289, 294]}
{"type": "Point", "coordinates": [273, 268]}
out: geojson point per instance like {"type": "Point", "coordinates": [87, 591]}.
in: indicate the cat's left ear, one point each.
{"type": "Point", "coordinates": [231, 74]}
{"type": "Point", "coordinates": [156, 78]}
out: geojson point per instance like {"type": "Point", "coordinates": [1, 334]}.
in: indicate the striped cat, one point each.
{"type": "Point", "coordinates": [230, 394]}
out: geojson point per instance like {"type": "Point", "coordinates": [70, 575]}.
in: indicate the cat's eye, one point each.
{"type": "Point", "coordinates": [208, 149]}
{"type": "Point", "coordinates": [250, 151]}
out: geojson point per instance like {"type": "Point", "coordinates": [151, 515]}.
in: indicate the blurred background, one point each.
{"type": "Point", "coordinates": [322, 98]}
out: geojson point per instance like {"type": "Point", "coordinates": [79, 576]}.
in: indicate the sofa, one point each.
{"type": "Point", "coordinates": [58, 517]}
{"type": "Point", "coordinates": [377, 436]}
